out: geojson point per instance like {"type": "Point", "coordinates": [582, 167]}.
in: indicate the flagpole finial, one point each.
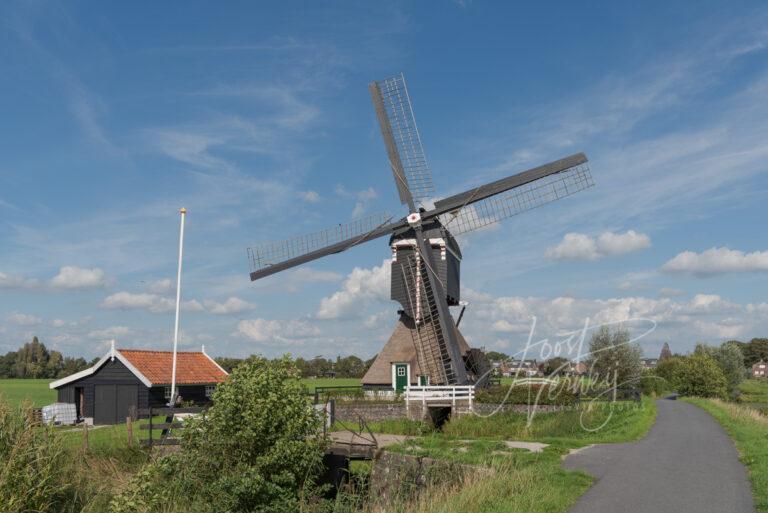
{"type": "Point", "coordinates": [182, 211]}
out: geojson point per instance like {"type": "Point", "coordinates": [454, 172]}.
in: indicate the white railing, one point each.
{"type": "Point", "coordinates": [428, 394]}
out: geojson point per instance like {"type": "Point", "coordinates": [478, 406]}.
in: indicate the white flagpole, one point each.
{"type": "Point", "coordinates": [183, 213]}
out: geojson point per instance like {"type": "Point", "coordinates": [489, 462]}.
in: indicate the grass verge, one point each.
{"type": "Point", "coordinates": [749, 430]}
{"type": "Point", "coordinates": [523, 481]}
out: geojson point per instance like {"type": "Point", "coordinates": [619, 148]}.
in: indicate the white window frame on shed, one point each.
{"type": "Point", "coordinates": [209, 390]}
{"type": "Point", "coordinates": [167, 393]}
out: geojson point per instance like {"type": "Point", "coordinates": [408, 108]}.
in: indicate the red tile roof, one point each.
{"type": "Point", "coordinates": [191, 367]}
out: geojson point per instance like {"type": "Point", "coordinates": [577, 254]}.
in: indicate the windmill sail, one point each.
{"type": "Point", "coordinates": [273, 257]}
{"type": "Point", "coordinates": [505, 198]}
{"type": "Point", "coordinates": [431, 345]}
{"type": "Point", "coordinates": [401, 138]}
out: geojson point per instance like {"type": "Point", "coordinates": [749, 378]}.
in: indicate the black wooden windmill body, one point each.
{"type": "Point", "coordinates": [426, 258]}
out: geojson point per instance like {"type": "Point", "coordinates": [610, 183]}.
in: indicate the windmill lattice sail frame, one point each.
{"type": "Point", "coordinates": [480, 214]}
{"type": "Point", "coordinates": [271, 253]}
{"type": "Point", "coordinates": [401, 138]}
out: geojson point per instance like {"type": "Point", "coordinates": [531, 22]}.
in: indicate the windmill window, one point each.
{"type": "Point", "coordinates": [209, 390]}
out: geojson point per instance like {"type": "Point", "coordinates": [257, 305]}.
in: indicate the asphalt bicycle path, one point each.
{"type": "Point", "coordinates": [686, 463]}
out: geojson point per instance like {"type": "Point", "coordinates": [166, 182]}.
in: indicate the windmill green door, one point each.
{"type": "Point", "coordinates": [401, 376]}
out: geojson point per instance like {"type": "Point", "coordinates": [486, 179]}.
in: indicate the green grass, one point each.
{"type": "Point", "coordinates": [313, 383]}
{"type": "Point", "coordinates": [16, 391]}
{"type": "Point", "coordinates": [36, 390]}
{"type": "Point", "coordinates": [523, 481]}
{"type": "Point", "coordinates": [749, 430]}
{"type": "Point", "coordinates": [755, 393]}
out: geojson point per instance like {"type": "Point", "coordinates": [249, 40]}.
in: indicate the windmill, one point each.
{"type": "Point", "coordinates": [425, 255]}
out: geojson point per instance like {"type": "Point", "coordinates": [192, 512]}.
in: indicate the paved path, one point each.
{"type": "Point", "coordinates": [686, 463]}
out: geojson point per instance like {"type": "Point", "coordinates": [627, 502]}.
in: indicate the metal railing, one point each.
{"type": "Point", "coordinates": [438, 393]}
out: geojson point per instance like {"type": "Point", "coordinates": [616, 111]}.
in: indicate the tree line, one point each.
{"type": "Point", "coordinates": [317, 367]}
{"type": "Point", "coordinates": [34, 360]}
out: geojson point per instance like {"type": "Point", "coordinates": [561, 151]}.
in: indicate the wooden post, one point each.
{"type": "Point", "coordinates": [150, 426]}
{"type": "Point", "coordinates": [129, 427]}
{"type": "Point", "coordinates": [85, 436]}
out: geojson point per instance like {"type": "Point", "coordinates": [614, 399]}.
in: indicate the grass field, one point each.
{"type": "Point", "coordinates": [749, 430]}
{"type": "Point", "coordinates": [36, 390]}
{"type": "Point", "coordinates": [754, 392]}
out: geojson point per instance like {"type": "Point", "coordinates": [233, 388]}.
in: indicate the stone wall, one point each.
{"type": "Point", "coordinates": [372, 412]}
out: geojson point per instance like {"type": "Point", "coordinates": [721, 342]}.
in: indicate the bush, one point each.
{"type": "Point", "coordinates": [559, 394]}
{"type": "Point", "coordinates": [613, 360]}
{"type": "Point", "coordinates": [730, 359]}
{"type": "Point", "coordinates": [695, 375]}
{"type": "Point", "coordinates": [258, 448]}
{"type": "Point", "coordinates": [653, 385]}
{"type": "Point", "coordinates": [32, 460]}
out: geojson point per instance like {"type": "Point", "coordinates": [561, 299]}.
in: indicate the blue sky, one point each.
{"type": "Point", "coordinates": [257, 119]}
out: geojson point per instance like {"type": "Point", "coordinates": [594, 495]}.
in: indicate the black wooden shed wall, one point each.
{"type": "Point", "coordinates": [113, 392]}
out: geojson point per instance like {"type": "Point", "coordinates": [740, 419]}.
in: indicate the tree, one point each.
{"type": "Point", "coordinates": [730, 359]}
{"type": "Point", "coordinates": [31, 360]}
{"type": "Point", "coordinates": [694, 375]}
{"type": "Point", "coordinates": [349, 367]}
{"type": "Point", "coordinates": [258, 448]}
{"type": "Point", "coordinates": [556, 366]}
{"type": "Point", "coordinates": [665, 352]}
{"type": "Point", "coordinates": [613, 359]}
{"type": "Point", "coordinates": [496, 356]}
{"type": "Point", "coordinates": [755, 351]}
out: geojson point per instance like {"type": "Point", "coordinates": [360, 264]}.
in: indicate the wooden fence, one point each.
{"type": "Point", "coordinates": [167, 427]}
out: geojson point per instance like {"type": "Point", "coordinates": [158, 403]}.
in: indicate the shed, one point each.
{"type": "Point", "coordinates": [127, 380]}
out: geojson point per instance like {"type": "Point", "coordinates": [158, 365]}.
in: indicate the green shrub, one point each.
{"type": "Point", "coordinates": [258, 448]}
{"type": "Point", "coordinates": [32, 464]}
{"type": "Point", "coordinates": [694, 375]}
{"type": "Point", "coordinates": [560, 394]}
{"type": "Point", "coordinates": [653, 385]}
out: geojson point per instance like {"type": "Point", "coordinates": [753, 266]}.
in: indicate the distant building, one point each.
{"type": "Point", "coordinates": [527, 368]}
{"type": "Point", "coordinates": [650, 363]}
{"type": "Point", "coordinates": [576, 368]}
{"type": "Point", "coordinates": [760, 370]}
{"type": "Point", "coordinates": [127, 380]}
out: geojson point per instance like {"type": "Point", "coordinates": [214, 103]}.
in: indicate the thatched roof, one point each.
{"type": "Point", "coordinates": [400, 348]}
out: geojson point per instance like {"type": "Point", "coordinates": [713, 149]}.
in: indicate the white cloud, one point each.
{"type": "Point", "coordinates": [164, 286]}
{"type": "Point", "coordinates": [362, 198]}
{"type": "Point", "coordinates": [362, 287]}
{"type": "Point", "coordinates": [309, 196]}
{"type": "Point", "coordinates": [16, 282]}
{"type": "Point", "coordinates": [58, 323]}
{"type": "Point", "coordinates": [580, 246]}
{"type": "Point", "coordinates": [574, 246]}
{"type": "Point", "coordinates": [609, 243]}
{"type": "Point", "coordinates": [233, 305]}
{"type": "Point", "coordinates": [289, 332]}
{"type": "Point", "coordinates": [717, 261]}
{"type": "Point", "coordinates": [110, 333]}
{"type": "Point", "coordinates": [22, 319]}
{"type": "Point", "coordinates": [705, 317]}
{"type": "Point", "coordinates": [72, 277]}
{"type": "Point", "coordinates": [150, 302]}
